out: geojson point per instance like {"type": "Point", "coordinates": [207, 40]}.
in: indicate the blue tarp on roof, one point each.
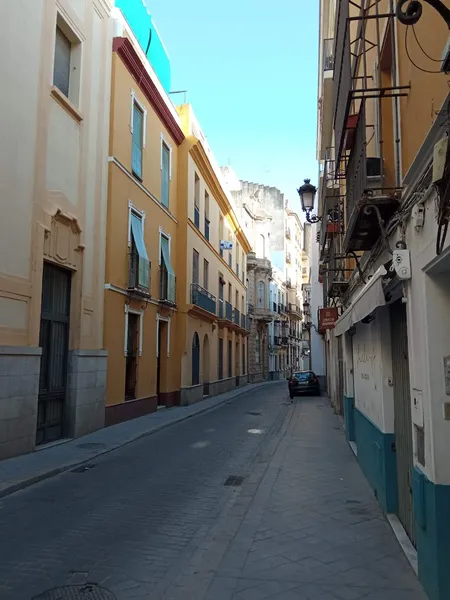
{"type": "Point", "coordinates": [139, 19]}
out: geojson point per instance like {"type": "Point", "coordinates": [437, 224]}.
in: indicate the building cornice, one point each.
{"type": "Point", "coordinates": [123, 47]}
{"type": "Point", "coordinates": [201, 160]}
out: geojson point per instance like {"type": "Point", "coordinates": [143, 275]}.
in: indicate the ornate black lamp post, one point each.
{"type": "Point", "coordinates": [307, 193]}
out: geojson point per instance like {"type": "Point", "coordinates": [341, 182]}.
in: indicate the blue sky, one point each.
{"type": "Point", "coordinates": [250, 69]}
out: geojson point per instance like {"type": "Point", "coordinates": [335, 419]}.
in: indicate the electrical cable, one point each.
{"type": "Point", "coordinates": [411, 60]}
{"type": "Point", "coordinates": [438, 60]}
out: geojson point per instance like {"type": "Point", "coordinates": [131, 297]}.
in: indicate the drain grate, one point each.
{"type": "Point", "coordinates": [254, 413]}
{"type": "Point", "coordinates": [83, 468]}
{"type": "Point", "coordinates": [88, 591]}
{"type": "Point", "coordinates": [234, 481]}
{"type": "Point", "coordinates": [91, 445]}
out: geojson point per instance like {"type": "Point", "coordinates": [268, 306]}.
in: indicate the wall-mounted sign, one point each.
{"type": "Point", "coordinates": [327, 318]}
{"type": "Point", "coordinates": [226, 245]}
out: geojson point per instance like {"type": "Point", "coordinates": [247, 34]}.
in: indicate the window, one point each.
{"type": "Point", "coordinates": [139, 275]}
{"type": "Point", "coordinates": [195, 261]}
{"type": "Point", "coordinates": [167, 291]}
{"type": "Point", "coordinates": [243, 266]}
{"type": "Point", "coordinates": [261, 247]}
{"type": "Point", "coordinates": [236, 304]}
{"type": "Point", "coordinates": [165, 174]}
{"type": "Point", "coordinates": [197, 201]}
{"type": "Point", "coordinates": [221, 234]}
{"type": "Point", "coordinates": [61, 67]}
{"type": "Point", "coordinates": [230, 291]}
{"type": "Point", "coordinates": [261, 294]}
{"type": "Point", "coordinates": [230, 358]}
{"type": "Point", "coordinates": [207, 215]}
{"type": "Point", "coordinates": [137, 140]}
{"type": "Point", "coordinates": [237, 259]}
{"type": "Point", "coordinates": [205, 274]}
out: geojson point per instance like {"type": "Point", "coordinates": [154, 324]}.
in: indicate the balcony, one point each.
{"type": "Point", "coordinates": [366, 199]}
{"type": "Point", "coordinates": [288, 258]}
{"type": "Point", "coordinates": [203, 299]}
{"type": "Point", "coordinates": [328, 55]}
{"type": "Point", "coordinates": [263, 264]}
{"type": "Point", "coordinates": [326, 100]}
{"type": "Point", "coordinates": [221, 311]}
{"type": "Point", "coordinates": [288, 234]}
{"type": "Point", "coordinates": [263, 314]}
{"type": "Point", "coordinates": [342, 82]}
{"type": "Point", "coordinates": [237, 317]}
{"type": "Point", "coordinates": [228, 312]}
{"type": "Point", "coordinates": [294, 310]}
{"type": "Point", "coordinates": [139, 275]}
{"type": "Point", "coordinates": [284, 340]}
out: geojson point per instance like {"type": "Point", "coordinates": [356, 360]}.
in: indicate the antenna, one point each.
{"type": "Point", "coordinates": [180, 92]}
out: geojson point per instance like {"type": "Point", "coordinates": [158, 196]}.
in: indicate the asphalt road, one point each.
{"type": "Point", "coordinates": [133, 520]}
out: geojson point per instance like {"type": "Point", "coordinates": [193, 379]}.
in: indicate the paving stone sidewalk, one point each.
{"type": "Point", "coordinates": [22, 471]}
{"type": "Point", "coordinates": [306, 526]}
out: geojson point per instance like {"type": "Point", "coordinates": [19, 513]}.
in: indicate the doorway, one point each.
{"type": "Point", "coordinates": [236, 364]}
{"type": "Point", "coordinates": [402, 416]}
{"type": "Point", "coordinates": [132, 356]}
{"type": "Point", "coordinates": [54, 341]}
{"type": "Point", "coordinates": [195, 359]}
{"type": "Point", "coordinates": [205, 366]}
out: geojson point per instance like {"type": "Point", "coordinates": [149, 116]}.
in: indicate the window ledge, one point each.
{"type": "Point", "coordinates": [66, 104]}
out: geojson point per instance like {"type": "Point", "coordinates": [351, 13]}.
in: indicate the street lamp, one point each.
{"type": "Point", "coordinates": [307, 193]}
{"type": "Point", "coordinates": [413, 11]}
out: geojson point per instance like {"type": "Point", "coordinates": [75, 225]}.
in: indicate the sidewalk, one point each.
{"type": "Point", "coordinates": [305, 526]}
{"type": "Point", "coordinates": [22, 471]}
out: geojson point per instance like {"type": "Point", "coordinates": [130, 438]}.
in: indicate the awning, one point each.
{"type": "Point", "coordinates": [138, 237]}
{"type": "Point", "coordinates": [369, 298]}
{"type": "Point", "coordinates": [170, 272]}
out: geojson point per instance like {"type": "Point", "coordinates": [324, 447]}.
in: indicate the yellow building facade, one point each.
{"type": "Point", "coordinates": [53, 176]}
{"type": "Point", "coordinates": [212, 315]}
{"type": "Point", "coordinates": [142, 238]}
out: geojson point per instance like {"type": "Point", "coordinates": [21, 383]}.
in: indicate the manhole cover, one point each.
{"type": "Point", "coordinates": [234, 480]}
{"type": "Point", "coordinates": [83, 468]}
{"type": "Point", "coordinates": [254, 413]}
{"type": "Point", "coordinates": [91, 445]}
{"type": "Point", "coordinates": [88, 591]}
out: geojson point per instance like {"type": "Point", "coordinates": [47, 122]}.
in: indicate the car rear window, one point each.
{"type": "Point", "coordinates": [302, 376]}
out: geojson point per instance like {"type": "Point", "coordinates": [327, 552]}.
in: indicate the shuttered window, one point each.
{"type": "Point", "coordinates": [61, 67]}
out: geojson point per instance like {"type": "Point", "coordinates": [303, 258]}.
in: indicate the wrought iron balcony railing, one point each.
{"type": "Point", "coordinates": [202, 298]}
{"type": "Point", "coordinates": [228, 312]}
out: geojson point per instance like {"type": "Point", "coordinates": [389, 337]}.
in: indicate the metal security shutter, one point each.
{"type": "Point", "coordinates": [402, 416]}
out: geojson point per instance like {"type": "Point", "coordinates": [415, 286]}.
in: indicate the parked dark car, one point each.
{"type": "Point", "coordinates": [303, 382]}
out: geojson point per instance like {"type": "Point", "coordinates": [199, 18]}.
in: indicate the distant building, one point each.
{"type": "Point", "coordinates": [280, 263]}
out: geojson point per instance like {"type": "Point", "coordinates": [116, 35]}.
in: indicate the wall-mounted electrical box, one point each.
{"type": "Point", "coordinates": [401, 260]}
{"type": "Point", "coordinates": [439, 155]}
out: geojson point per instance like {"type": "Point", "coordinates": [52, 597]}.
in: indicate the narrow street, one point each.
{"type": "Point", "coordinates": [154, 519]}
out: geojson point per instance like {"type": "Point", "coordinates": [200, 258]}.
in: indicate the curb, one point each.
{"type": "Point", "coordinates": [25, 483]}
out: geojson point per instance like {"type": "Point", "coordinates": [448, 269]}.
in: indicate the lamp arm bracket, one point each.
{"type": "Point", "coordinates": [413, 11]}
